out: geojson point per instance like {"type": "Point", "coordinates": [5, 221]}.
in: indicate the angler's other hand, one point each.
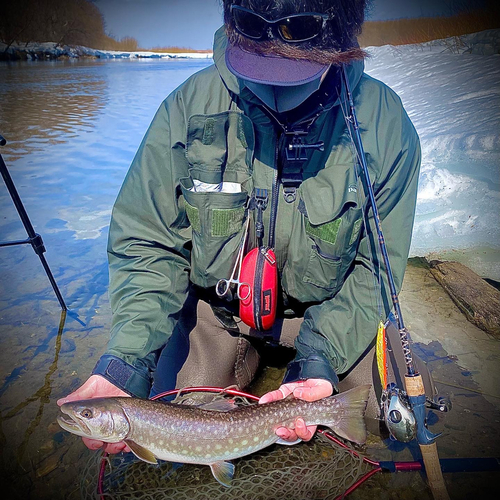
{"type": "Point", "coordinates": [308, 390]}
{"type": "Point", "coordinates": [97, 387]}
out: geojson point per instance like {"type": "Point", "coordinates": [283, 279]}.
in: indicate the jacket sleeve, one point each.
{"type": "Point", "coordinates": [335, 333]}
{"type": "Point", "coordinates": [149, 255]}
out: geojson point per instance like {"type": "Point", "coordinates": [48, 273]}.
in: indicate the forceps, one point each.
{"type": "Point", "coordinates": [223, 287]}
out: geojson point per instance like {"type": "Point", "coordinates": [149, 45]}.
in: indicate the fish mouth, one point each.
{"type": "Point", "coordinates": [71, 424]}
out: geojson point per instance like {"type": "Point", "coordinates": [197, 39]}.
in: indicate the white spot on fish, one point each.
{"type": "Point", "coordinates": [218, 447]}
{"type": "Point", "coordinates": [244, 442]}
{"type": "Point", "coordinates": [256, 438]}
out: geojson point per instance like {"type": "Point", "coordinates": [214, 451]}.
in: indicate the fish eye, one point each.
{"type": "Point", "coordinates": [87, 413]}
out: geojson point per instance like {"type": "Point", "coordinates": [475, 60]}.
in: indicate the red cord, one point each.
{"type": "Point", "coordinates": [231, 392]}
{"type": "Point", "coordinates": [358, 483]}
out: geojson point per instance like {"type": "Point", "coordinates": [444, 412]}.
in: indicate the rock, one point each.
{"type": "Point", "coordinates": [47, 447]}
{"type": "Point", "coordinates": [48, 465]}
{"type": "Point", "coordinates": [53, 428]}
{"type": "Point", "coordinates": [479, 301]}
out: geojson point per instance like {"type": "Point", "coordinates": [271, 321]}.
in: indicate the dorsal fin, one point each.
{"type": "Point", "coordinates": [219, 405]}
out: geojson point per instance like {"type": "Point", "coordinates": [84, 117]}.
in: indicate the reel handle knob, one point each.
{"type": "Point", "coordinates": [440, 403]}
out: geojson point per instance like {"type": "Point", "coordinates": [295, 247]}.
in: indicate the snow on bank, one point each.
{"type": "Point", "coordinates": [451, 90]}
{"type": "Point", "coordinates": [49, 50]}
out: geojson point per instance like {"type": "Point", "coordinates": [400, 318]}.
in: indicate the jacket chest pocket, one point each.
{"type": "Point", "coordinates": [219, 151]}
{"type": "Point", "coordinates": [325, 237]}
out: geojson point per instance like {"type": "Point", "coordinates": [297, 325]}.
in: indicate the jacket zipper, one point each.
{"type": "Point", "coordinates": [275, 195]}
{"type": "Point", "coordinates": [259, 271]}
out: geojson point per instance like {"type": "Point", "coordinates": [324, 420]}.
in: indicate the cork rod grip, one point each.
{"type": "Point", "coordinates": [433, 471]}
{"type": "Point", "coordinates": [415, 387]}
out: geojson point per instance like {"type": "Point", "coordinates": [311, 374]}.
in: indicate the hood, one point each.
{"type": "Point", "coordinates": [235, 85]}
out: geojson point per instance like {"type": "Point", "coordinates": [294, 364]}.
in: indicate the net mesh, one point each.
{"type": "Point", "coordinates": [320, 469]}
{"type": "Point", "coordinates": [316, 470]}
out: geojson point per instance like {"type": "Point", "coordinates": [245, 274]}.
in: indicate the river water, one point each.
{"type": "Point", "coordinates": [72, 130]}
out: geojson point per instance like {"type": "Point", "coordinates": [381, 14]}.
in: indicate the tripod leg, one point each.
{"type": "Point", "coordinates": [34, 238]}
{"type": "Point", "coordinates": [53, 282]}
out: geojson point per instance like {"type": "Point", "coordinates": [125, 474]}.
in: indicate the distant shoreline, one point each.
{"type": "Point", "coordinates": [50, 51]}
{"type": "Point", "coordinates": [483, 43]}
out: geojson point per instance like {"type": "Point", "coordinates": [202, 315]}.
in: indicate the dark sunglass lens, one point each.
{"type": "Point", "coordinates": [249, 24]}
{"type": "Point", "coordinates": [295, 29]}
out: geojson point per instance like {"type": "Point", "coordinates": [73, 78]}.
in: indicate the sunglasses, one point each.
{"type": "Point", "coordinates": [294, 28]}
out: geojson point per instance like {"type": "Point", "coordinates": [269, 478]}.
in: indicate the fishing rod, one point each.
{"type": "Point", "coordinates": [413, 380]}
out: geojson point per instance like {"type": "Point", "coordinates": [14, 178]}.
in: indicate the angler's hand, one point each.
{"type": "Point", "coordinates": [97, 387]}
{"type": "Point", "coordinates": [308, 390]}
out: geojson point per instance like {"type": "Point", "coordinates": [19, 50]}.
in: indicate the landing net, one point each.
{"type": "Point", "coordinates": [320, 469]}
{"type": "Point", "coordinates": [316, 470]}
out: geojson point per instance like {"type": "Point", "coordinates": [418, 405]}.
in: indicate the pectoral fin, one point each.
{"type": "Point", "coordinates": [288, 443]}
{"type": "Point", "coordinates": [141, 452]}
{"type": "Point", "coordinates": [223, 472]}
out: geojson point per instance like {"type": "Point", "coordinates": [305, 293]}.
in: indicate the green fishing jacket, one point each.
{"type": "Point", "coordinates": [164, 236]}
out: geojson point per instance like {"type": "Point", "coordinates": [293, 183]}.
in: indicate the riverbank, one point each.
{"type": "Point", "coordinates": [482, 43]}
{"type": "Point", "coordinates": [36, 51]}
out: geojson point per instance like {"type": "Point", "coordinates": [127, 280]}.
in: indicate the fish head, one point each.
{"type": "Point", "coordinates": [101, 418]}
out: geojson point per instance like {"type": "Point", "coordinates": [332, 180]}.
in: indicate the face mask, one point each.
{"type": "Point", "coordinates": [282, 98]}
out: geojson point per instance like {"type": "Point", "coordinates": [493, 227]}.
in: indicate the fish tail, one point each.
{"type": "Point", "coordinates": [350, 424]}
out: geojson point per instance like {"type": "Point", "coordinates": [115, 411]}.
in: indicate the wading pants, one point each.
{"type": "Point", "coordinates": [206, 349]}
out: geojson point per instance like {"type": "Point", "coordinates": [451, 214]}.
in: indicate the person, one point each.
{"type": "Point", "coordinates": [260, 136]}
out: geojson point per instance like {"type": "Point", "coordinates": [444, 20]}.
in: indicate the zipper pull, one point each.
{"type": "Point", "coordinates": [261, 200]}
{"type": "Point", "coordinates": [266, 251]}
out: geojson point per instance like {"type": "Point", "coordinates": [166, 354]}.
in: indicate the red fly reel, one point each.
{"type": "Point", "coordinates": [259, 280]}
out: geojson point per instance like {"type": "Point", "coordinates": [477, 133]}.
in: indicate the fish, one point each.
{"type": "Point", "coordinates": [210, 434]}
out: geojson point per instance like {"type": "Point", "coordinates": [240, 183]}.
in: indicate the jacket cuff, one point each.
{"type": "Point", "coordinates": [314, 366]}
{"type": "Point", "coordinates": [126, 377]}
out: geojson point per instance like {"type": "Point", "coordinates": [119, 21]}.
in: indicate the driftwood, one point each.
{"type": "Point", "coordinates": [477, 299]}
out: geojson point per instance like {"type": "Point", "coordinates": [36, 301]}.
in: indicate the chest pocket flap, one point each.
{"type": "Point", "coordinates": [220, 144]}
{"type": "Point", "coordinates": [329, 194]}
